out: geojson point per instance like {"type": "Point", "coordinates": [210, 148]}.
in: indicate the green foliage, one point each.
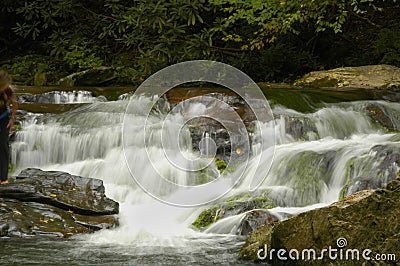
{"type": "Point", "coordinates": [276, 17]}
{"type": "Point", "coordinates": [270, 40]}
{"type": "Point", "coordinates": [25, 68]}
{"type": "Point", "coordinates": [82, 57]}
{"type": "Point", "coordinates": [388, 46]}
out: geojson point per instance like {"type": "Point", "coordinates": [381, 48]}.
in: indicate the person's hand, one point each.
{"type": "Point", "coordinates": [10, 125]}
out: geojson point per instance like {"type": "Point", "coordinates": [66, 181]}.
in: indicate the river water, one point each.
{"type": "Point", "coordinates": [316, 155]}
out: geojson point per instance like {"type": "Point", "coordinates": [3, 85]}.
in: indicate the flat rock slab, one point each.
{"type": "Point", "coordinates": [85, 196]}
{"type": "Point", "coordinates": [371, 76]}
{"type": "Point", "coordinates": [56, 204]}
{"type": "Point", "coordinates": [27, 219]}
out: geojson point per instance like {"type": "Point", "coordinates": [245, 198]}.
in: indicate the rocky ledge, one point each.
{"type": "Point", "coordinates": [38, 203]}
{"type": "Point", "coordinates": [365, 220]}
{"type": "Point", "coordinates": [372, 76]}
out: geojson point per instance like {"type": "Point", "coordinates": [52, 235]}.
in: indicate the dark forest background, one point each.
{"type": "Point", "coordinates": [269, 40]}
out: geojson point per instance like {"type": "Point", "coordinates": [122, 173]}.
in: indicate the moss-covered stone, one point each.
{"type": "Point", "coordinates": [367, 220]}
{"type": "Point", "coordinates": [372, 170]}
{"type": "Point", "coordinates": [305, 173]}
{"type": "Point", "coordinates": [234, 205]}
{"type": "Point", "coordinates": [207, 217]}
{"type": "Point", "coordinates": [220, 164]}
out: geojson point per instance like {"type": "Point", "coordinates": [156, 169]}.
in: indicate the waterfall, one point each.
{"type": "Point", "coordinates": [60, 97]}
{"type": "Point", "coordinates": [317, 155]}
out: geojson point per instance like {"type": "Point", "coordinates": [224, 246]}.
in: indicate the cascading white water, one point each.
{"type": "Point", "coordinates": [87, 142]}
{"type": "Point", "coordinates": [61, 97]}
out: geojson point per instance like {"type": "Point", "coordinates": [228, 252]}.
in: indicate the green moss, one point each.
{"type": "Point", "coordinates": [221, 164]}
{"type": "Point", "coordinates": [306, 172]}
{"type": "Point", "coordinates": [207, 217]}
{"type": "Point", "coordinates": [232, 206]}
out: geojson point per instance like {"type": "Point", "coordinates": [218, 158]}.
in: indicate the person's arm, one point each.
{"type": "Point", "coordinates": [13, 107]}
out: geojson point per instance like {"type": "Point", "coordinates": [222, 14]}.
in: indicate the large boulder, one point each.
{"type": "Point", "coordinates": [371, 76]}
{"type": "Point", "coordinates": [54, 203]}
{"type": "Point", "coordinates": [365, 220]}
{"type": "Point", "coordinates": [92, 77]}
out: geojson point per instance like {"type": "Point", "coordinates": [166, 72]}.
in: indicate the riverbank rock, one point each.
{"type": "Point", "coordinates": [92, 77]}
{"type": "Point", "coordinates": [372, 76]}
{"type": "Point", "coordinates": [367, 219]}
{"type": "Point", "coordinates": [54, 204]}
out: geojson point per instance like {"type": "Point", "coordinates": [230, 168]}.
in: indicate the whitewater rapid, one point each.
{"type": "Point", "coordinates": [88, 142]}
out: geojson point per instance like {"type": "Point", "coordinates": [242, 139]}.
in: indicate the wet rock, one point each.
{"type": "Point", "coordinates": [372, 171]}
{"type": "Point", "coordinates": [54, 204]}
{"type": "Point", "coordinates": [367, 220]}
{"type": "Point", "coordinates": [372, 76]}
{"type": "Point", "coordinates": [81, 195]}
{"type": "Point", "coordinates": [379, 115]}
{"type": "Point", "coordinates": [96, 222]}
{"type": "Point", "coordinates": [27, 219]}
{"type": "Point", "coordinates": [232, 206]}
{"type": "Point", "coordinates": [92, 77]}
{"type": "Point", "coordinates": [301, 128]}
{"type": "Point", "coordinates": [228, 129]}
{"type": "Point", "coordinates": [254, 219]}
{"type": "Point", "coordinates": [306, 174]}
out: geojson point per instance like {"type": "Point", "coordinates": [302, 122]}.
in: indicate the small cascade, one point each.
{"type": "Point", "coordinates": [60, 97]}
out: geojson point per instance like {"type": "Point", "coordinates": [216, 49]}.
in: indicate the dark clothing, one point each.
{"type": "Point", "coordinates": [4, 149]}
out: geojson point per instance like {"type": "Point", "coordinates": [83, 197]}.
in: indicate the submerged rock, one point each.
{"type": "Point", "coordinates": [365, 220]}
{"type": "Point", "coordinates": [373, 170]}
{"type": "Point", "coordinates": [55, 204]}
{"type": "Point", "coordinates": [371, 76]}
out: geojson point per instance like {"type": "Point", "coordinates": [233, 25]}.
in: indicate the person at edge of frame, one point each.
{"type": "Point", "coordinates": [8, 111]}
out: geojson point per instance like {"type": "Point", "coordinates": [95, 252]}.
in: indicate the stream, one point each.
{"type": "Point", "coordinates": [326, 146]}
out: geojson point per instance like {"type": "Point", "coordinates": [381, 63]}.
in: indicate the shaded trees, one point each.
{"type": "Point", "coordinates": [269, 40]}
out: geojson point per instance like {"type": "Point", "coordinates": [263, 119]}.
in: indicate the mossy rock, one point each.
{"type": "Point", "coordinates": [367, 220]}
{"type": "Point", "coordinates": [305, 173]}
{"type": "Point", "coordinates": [372, 170]}
{"type": "Point", "coordinates": [233, 206]}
